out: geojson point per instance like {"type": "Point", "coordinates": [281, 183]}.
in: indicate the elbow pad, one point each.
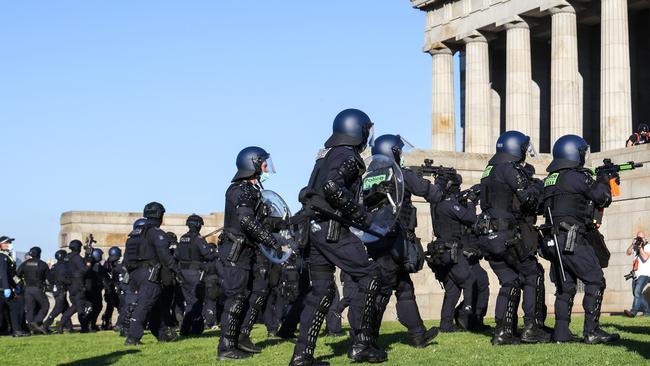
{"type": "Point", "coordinates": [340, 201]}
{"type": "Point", "coordinates": [257, 232]}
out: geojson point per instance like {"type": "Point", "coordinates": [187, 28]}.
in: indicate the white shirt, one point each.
{"type": "Point", "coordinates": [644, 267]}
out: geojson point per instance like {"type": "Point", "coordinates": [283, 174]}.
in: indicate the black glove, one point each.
{"type": "Point", "coordinates": [441, 181]}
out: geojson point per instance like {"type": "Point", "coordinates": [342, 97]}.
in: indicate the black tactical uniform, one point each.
{"type": "Point", "coordinates": [96, 281]}
{"type": "Point", "coordinates": [76, 274]}
{"type": "Point", "coordinates": [573, 197]}
{"type": "Point", "coordinates": [505, 191]}
{"type": "Point", "coordinates": [57, 278]}
{"type": "Point", "coordinates": [34, 273]}
{"type": "Point", "coordinates": [481, 293]}
{"type": "Point", "coordinates": [147, 252]}
{"type": "Point", "coordinates": [192, 253]}
{"type": "Point", "coordinates": [212, 303]}
{"type": "Point", "coordinates": [336, 182]}
{"type": "Point", "coordinates": [242, 231]}
{"type": "Point", "coordinates": [8, 302]}
{"type": "Point", "coordinates": [451, 220]}
{"type": "Point", "coordinates": [114, 271]}
{"type": "Point", "coordinates": [387, 254]}
{"type": "Point", "coordinates": [162, 319]}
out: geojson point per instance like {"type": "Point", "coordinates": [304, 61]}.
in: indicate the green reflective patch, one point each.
{"type": "Point", "coordinates": [487, 171]}
{"type": "Point", "coordinates": [551, 179]}
{"type": "Point", "coordinates": [370, 182]}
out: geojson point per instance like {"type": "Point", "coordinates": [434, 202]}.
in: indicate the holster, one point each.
{"type": "Point", "coordinates": [517, 246]}
{"type": "Point", "coordinates": [571, 237]}
{"type": "Point", "coordinates": [238, 243]}
{"type": "Point", "coordinates": [154, 274]}
{"type": "Point", "coordinates": [334, 230]}
{"type": "Point", "coordinates": [597, 241]}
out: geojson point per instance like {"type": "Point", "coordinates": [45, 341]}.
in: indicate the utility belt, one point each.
{"type": "Point", "coordinates": [193, 265]}
{"type": "Point", "coordinates": [134, 265]}
{"type": "Point", "coordinates": [572, 232]}
{"type": "Point", "coordinates": [439, 248]}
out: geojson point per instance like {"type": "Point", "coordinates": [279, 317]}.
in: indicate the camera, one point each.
{"type": "Point", "coordinates": [638, 242]}
{"type": "Point", "coordinates": [629, 276]}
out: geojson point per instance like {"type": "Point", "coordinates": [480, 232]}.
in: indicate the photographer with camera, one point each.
{"type": "Point", "coordinates": [641, 273]}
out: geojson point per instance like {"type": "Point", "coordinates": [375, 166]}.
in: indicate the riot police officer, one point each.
{"type": "Point", "coordinates": [59, 288]}
{"type": "Point", "coordinates": [335, 182]}
{"type": "Point", "coordinates": [212, 302]}
{"type": "Point", "coordinates": [242, 231]}
{"type": "Point", "coordinates": [8, 302]}
{"type": "Point", "coordinates": [387, 252]}
{"type": "Point", "coordinates": [96, 281]}
{"type": "Point", "coordinates": [113, 270]}
{"type": "Point", "coordinates": [451, 220]}
{"type": "Point", "coordinates": [147, 252]}
{"type": "Point", "coordinates": [571, 198]}
{"type": "Point", "coordinates": [76, 273]}
{"type": "Point", "coordinates": [34, 273]}
{"type": "Point", "coordinates": [128, 297]}
{"type": "Point", "coordinates": [192, 254]}
{"type": "Point", "coordinates": [162, 318]}
{"type": "Point", "coordinates": [505, 192]}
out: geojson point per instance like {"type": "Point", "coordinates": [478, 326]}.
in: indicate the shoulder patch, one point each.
{"type": "Point", "coordinates": [487, 171]}
{"type": "Point", "coordinates": [186, 239]}
{"type": "Point", "coordinates": [322, 153]}
{"type": "Point", "coordinates": [551, 180]}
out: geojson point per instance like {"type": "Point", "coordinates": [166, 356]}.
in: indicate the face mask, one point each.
{"type": "Point", "coordinates": [264, 177]}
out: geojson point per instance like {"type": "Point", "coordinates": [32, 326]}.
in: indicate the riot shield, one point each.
{"type": "Point", "coordinates": [382, 194]}
{"type": "Point", "coordinates": [278, 214]}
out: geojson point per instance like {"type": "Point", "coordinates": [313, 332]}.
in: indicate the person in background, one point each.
{"type": "Point", "coordinates": [641, 272]}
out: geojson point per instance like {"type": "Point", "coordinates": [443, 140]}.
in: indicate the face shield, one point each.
{"type": "Point", "coordinates": [371, 135]}
{"type": "Point", "coordinates": [585, 155]}
{"type": "Point", "coordinates": [267, 169]}
{"type": "Point", "coordinates": [405, 148]}
{"type": "Point", "coordinates": [530, 150]}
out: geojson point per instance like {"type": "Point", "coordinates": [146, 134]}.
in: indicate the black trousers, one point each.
{"type": "Point", "coordinates": [36, 305]}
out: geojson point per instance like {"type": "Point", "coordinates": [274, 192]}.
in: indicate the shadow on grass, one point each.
{"type": "Point", "coordinates": [629, 329]}
{"type": "Point", "coordinates": [107, 359]}
{"type": "Point", "coordinates": [632, 345]}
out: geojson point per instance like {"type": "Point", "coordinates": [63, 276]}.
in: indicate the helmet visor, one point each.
{"type": "Point", "coordinates": [371, 136]}
{"type": "Point", "coordinates": [267, 166]}
{"type": "Point", "coordinates": [585, 153]}
{"type": "Point", "coordinates": [530, 150]}
{"type": "Point", "coordinates": [406, 146]}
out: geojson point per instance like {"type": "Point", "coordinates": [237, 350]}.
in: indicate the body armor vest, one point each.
{"type": "Point", "coordinates": [32, 274]}
{"type": "Point", "coordinates": [445, 227]}
{"type": "Point", "coordinates": [573, 208]}
{"type": "Point", "coordinates": [187, 251]}
{"type": "Point", "coordinates": [137, 248]}
{"type": "Point", "coordinates": [495, 193]}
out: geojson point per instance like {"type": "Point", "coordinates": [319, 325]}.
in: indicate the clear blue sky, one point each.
{"type": "Point", "coordinates": [109, 105]}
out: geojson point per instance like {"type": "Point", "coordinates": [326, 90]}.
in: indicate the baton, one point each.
{"type": "Point", "coordinates": [557, 244]}
{"type": "Point", "coordinates": [212, 233]}
{"type": "Point", "coordinates": [344, 221]}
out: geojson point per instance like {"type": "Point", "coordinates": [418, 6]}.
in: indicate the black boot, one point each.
{"type": "Point", "coordinates": [132, 342]}
{"type": "Point", "coordinates": [231, 352]}
{"type": "Point", "coordinates": [36, 328]}
{"type": "Point", "coordinates": [304, 359]}
{"type": "Point", "coordinates": [503, 334]}
{"type": "Point", "coordinates": [598, 335]}
{"type": "Point", "coordinates": [533, 334]}
{"type": "Point", "coordinates": [245, 344]}
{"type": "Point", "coordinates": [363, 351]}
{"type": "Point", "coordinates": [422, 340]}
{"type": "Point", "coordinates": [228, 348]}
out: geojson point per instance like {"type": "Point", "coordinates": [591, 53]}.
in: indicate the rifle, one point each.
{"type": "Point", "coordinates": [88, 246]}
{"type": "Point", "coordinates": [611, 170]}
{"type": "Point", "coordinates": [474, 190]}
{"type": "Point", "coordinates": [429, 170]}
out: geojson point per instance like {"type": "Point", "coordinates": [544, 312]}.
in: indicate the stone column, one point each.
{"type": "Point", "coordinates": [443, 116]}
{"type": "Point", "coordinates": [615, 85]}
{"type": "Point", "coordinates": [565, 84]}
{"type": "Point", "coordinates": [518, 78]}
{"type": "Point", "coordinates": [478, 136]}
{"type": "Point", "coordinates": [495, 117]}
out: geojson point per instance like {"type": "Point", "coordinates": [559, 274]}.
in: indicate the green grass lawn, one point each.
{"type": "Point", "coordinates": [106, 348]}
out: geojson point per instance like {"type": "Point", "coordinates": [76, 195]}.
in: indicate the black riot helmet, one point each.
{"type": "Point", "coordinates": [453, 183]}
{"type": "Point", "coordinates": [60, 255]}
{"type": "Point", "coordinates": [351, 127]}
{"type": "Point", "coordinates": [154, 210]}
{"type": "Point", "coordinates": [114, 254]}
{"type": "Point", "coordinates": [194, 221]}
{"type": "Point", "coordinates": [75, 245]}
{"type": "Point", "coordinates": [97, 255]}
{"type": "Point", "coordinates": [35, 252]}
{"type": "Point", "coordinates": [391, 146]}
{"type": "Point", "coordinates": [642, 128]}
{"type": "Point", "coordinates": [251, 163]}
{"type": "Point", "coordinates": [514, 146]}
{"type": "Point", "coordinates": [139, 222]}
{"type": "Point", "coordinates": [569, 151]}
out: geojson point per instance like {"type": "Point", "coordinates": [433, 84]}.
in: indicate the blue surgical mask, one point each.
{"type": "Point", "coordinates": [264, 177]}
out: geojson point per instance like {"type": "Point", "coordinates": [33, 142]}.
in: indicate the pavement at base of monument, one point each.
{"type": "Point", "coordinates": [106, 348]}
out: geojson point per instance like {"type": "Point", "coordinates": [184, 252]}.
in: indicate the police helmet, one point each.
{"type": "Point", "coordinates": [35, 252]}
{"type": "Point", "coordinates": [250, 163]}
{"type": "Point", "coordinates": [351, 127]}
{"type": "Point", "coordinates": [453, 183]}
{"type": "Point", "coordinates": [515, 144]}
{"type": "Point", "coordinates": [60, 255]}
{"type": "Point", "coordinates": [195, 221]}
{"type": "Point", "coordinates": [75, 245]}
{"type": "Point", "coordinates": [153, 210]}
{"type": "Point", "coordinates": [139, 222]}
{"type": "Point", "coordinates": [97, 255]}
{"type": "Point", "coordinates": [114, 253]}
{"type": "Point", "coordinates": [391, 146]}
{"type": "Point", "coordinates": [642, 128]}
{"type": "Point", "coordinates": [569, 151]}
